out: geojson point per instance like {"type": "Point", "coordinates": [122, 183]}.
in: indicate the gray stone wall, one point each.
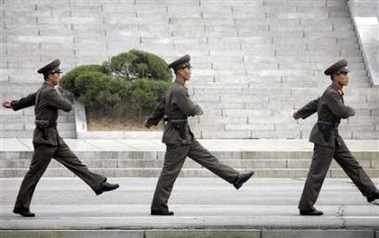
{"type": "Point", "coordinates": [255, 62]}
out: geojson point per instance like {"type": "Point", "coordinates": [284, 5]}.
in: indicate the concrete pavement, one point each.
{"type": "Point", "coordinates": [204, 207]}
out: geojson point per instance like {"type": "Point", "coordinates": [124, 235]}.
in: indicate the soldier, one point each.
{"type": "Point", "coordinates": [328, 143]}
{"type": "Point", "coordinates": [174, 108]}
{"type": "Point", "coordinates": [47, 142]}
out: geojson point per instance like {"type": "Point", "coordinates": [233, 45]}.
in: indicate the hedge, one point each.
{"type": "Point", "coordinates": [126, 88]}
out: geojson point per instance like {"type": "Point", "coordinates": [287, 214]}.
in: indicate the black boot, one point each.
{"type": "Point", "coordinates": [161, 212]}
{"type": "Point", "coordinates": [23, 212]}
{"type": "Point", "coordinates": [373, 196]}
{"type": "Point", "coordinates": [105, 187]}
{"type": "Point", "coordinates": [312, 212]}
{"type": "Point", "coordinates": [242, 178]}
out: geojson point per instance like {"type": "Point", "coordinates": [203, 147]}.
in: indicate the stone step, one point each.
{"type": "Point", "coordinates": [268, 82]}
{"type": "Point", "coordinates": [112, 163]}
{"type": "Point", "coordinates": [22, 126]}
{"type": "Point", "coordinates": [185, 173]}
{"type": "Point", "coordinates": [363, 94]}
{"type": "Point", "coordinates": [278, 134]}
{"type": "Point", "coordinates": [237, 10]}
{"type": "Point", "coordinates": [28, 134]}
{"type": "Point", "coordinates": [204, 232]}
{"type": "Point", "coordinates": [29, 126]}
{"type": "Point", "coordinates": [20, 117]}
{"type": "Point", "coordinates": [154, 149]}
{"type": "Point", "coordinates": [270, 158]}
{"type": "Point", "coordinates": [158, 154]}
{"type": "Point", "coordinates": [29, 112]}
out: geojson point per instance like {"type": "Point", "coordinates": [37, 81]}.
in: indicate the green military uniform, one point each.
{"type": "Point", "coordinates": [328, 143]}
{"type": "Point", "coordinates": [175, 107]}
{"type": "Point", "coordinates": [47, 142]}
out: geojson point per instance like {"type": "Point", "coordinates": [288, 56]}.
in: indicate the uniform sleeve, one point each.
{"type": "Point", "coordinates": [309, 109]}
{"type": "Point", "coordinates": [157, 113]}
{"type": "Point", "coordinates": [185, 105]}
{"type": "Point", "coordinates": [53, 99]}
{"type": "Point", "coordinates": [24, 102]}
{"type": "Point", "coordinates": [337, 107]}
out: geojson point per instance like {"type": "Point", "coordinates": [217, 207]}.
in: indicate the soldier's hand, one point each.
{"type": "Point", "coordinates": [198, 110]}
{"type": "Point", "coordinates": [296, 115]}
{"type": "Point", "coordinates": [147, 125]}
{"type": "Point", "coordinates": [6, 104]}
{"type": "Point", "coordinates": [350, 111]}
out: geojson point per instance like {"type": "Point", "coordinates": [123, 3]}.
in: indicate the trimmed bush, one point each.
{"type": "Point", "coordinates": [140, 64]}
{"type": "Point", "coordinates": [68, 80]}
{"type": "Point", "coordinates": [125, 89]}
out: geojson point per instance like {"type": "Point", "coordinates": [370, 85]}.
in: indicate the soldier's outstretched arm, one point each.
{"type": "Point", "coordinates": [21, 103]}
{"type": "Point", "coordinates": [307, 110]}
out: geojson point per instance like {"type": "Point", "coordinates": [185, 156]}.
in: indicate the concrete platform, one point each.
{"type": "Point", "coordinates": [204, 207]}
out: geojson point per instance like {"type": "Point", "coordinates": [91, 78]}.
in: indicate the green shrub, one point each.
{"type": "Point", "coordinates": [68, 80]}
{"type": "Point", "coordinates": [144, 92]}
{"type": "Point", "coordinates": [124, 89]}
{"type": "Point", "coordinates": [140, 64]}
{"type": "Point", "coordinates": [90, 85]}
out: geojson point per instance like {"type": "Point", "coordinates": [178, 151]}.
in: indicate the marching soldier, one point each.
{"type": "Point", "coordinates": [328, 143]}
{"type": "Point", "coordinates": [47, 142]}
{"type": "Point", "coordinates": [175, 108]}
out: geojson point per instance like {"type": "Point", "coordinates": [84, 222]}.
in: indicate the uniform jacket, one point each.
{"type": "Point", "coordinates": [179, 107]}
{"type": "Point", "coordinates": [47, 102]}
{"type": "Point", "coordinates": [330, 107]}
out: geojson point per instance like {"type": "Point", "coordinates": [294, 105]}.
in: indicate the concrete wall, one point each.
{"type": "Point", "coordinates": [255, 62]}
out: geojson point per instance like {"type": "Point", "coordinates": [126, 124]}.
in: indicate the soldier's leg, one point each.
{"type": "Point", "coordinates": [173, 163]}
{"type": "Point", "coordinates": [65, 156]}
{"type": "Point", "coordinates": [202, 156]}
{"type": "Point", "coordinates": [353, 169]}
{"type": "Point", "coordinates": [41, 159]}
{"type": "Point", "coordinates": [322, 157]}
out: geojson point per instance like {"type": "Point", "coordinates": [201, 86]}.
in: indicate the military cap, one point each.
{"type": "Point", "coordinates": [181, 63]}
{"type": "Point", "coordinates": [52, 67]}
{"type": "Point", "coordinates": [339, 67]}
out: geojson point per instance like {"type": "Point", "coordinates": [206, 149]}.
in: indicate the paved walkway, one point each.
{"type": "Point", "coordinates": [198, 203]}
{"type": "Point", "coordinates": [204, 207]}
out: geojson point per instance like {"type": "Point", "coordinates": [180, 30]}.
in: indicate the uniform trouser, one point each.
{"type": "Point", "coordinates": [322, 157]}
{"type": "Point", "coordinates": [41, 159]}
{"type": "Point", "coordinates": [173, 163]}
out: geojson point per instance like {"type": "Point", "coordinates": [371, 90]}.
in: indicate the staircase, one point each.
{"type": "Point", "coordinates": [144, 158]}
{"type": "Point", "coordinates": [255, 62]}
